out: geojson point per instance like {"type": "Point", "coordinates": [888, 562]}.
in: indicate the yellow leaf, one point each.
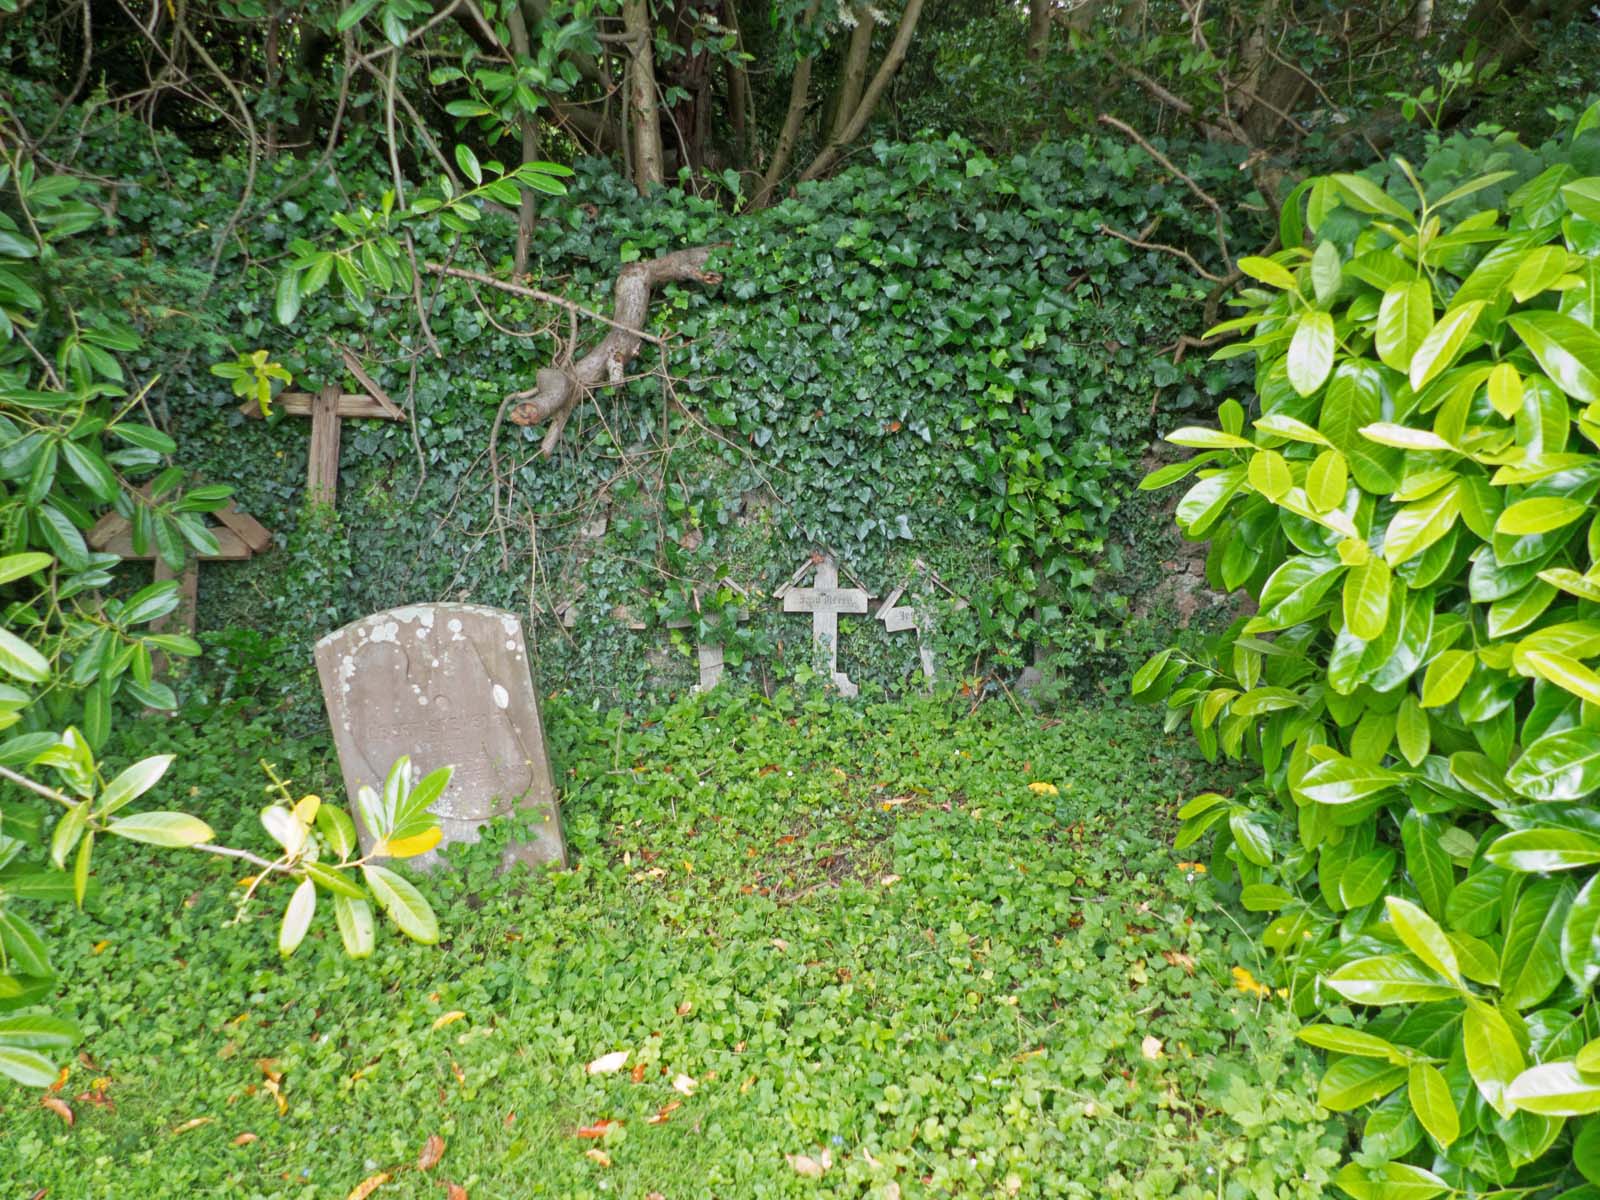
{"type": "Point", "coordinates": [369, 1185]}
{"type": "Point", "coordinates": [448, 1018]}
{"type": "Point", "coordinates": [684, 1085]}
{"type": "Point", "coordinates": [305, 810]}
{"type": "Point", "coordinates": [244, 1139]}
{"type": "Point", "coordinates": [410, 847]}
{"type": "Point", "coordinates": [595, 1154]}
{"type": "Point", "coordinates": [99, 947]}
{"type": "Point", "coordinates": [1044, 789]}
{"type": "Point", "coordinates": [193, 1123]}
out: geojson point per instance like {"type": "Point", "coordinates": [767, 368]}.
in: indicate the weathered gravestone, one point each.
{"type": "Point", "coordinates": [447, 684]}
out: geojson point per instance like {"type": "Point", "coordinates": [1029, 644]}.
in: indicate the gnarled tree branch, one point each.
{"type": "Point", "coordinates": [560, 388]}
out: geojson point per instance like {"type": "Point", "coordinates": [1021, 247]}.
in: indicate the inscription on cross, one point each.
{"type": "Point", "coordinates": [327, 408]}
{"type": "Point", "coordinates": [825, 600]}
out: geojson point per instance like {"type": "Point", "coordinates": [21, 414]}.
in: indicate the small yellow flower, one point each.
{"type": "Point", "coordinates": [1044, 789]}
{"type": "Point", "coordinates": [1249, 984]}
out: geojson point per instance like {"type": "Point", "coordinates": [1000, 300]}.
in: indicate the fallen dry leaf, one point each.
{"type": "Point", "coordinates": [269, 1068]}
{"type": "Point", "coordinates": [59, 1107]}
{"type": "Point", "coordinates": [747, 1085]}
{"type": "Point", "coordinates": [606, 1064]}
{"type": "Point", "coordinates": [891, 1191]}
{"type": "Point", "coordinates": [430, 1154]}
{"type": "Point", "coordinates": [595, 1154]}
{"type": "Point", "coordinates": [781, 946]}
{"type": "Point", "coordinates": [889, 880]}
{"type": "Point", "coordinates": [684, 1085]}
{"type": "Point", "coordinates": [449, 1018]}
{"type": "Point", "coordinates": [1150, 1047]}
{"type": "Point", "coordinates": [1178, 959]}
{"type": "Point", "coordinates": [61, 1079]}
{"type": "Point", "coordinates": [192, 1123]}
{"type": "Point", "coordinates": [369, 1185]}
{"type": "Point", "coordinates": [665, 1111]}
{"type": "Point", "coordinates": [455, 1069]}
{"type": "Point", "coordinates": [638, 1072]}
{"type": "Point", "coordinates": [454, 1191]}
{"type": "Point", "coordinates": [244, 1139]}
{"type": "Point", "coordinates": [811, 1168]}
{"type": "Point", "coordinates": [598, 1130]}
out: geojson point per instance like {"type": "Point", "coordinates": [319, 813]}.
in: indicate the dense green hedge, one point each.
{"type": "Point", "coordinates": [934, 357]}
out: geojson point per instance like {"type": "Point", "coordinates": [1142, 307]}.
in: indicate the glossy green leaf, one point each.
{"type": "Point", "coordinates": [1404, 319]}
{"type": "Point", "coordinates": [1568, 351]}
{"type": "Point", "coordinates": [1311, 352]}
{"type": "Point", "coordinates": [1442, 344]}
{"type": "Point", "coordinates": [1388, 979]}
{"type": "Point", "coordinates": [1555, 1089]}
{"type": "Point", "coordinates": [297, 916]}
{"type": "Point", "coordinates": [1432, 1102]}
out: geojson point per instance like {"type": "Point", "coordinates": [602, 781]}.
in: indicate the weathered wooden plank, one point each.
{"type": "Point", "coordinates": [182, 617]}
{"type": "Point", "coordinates": [251, 531]}
{"type": "Point", "coordinates": [351, 404]}
{"type": "Point", "coordinates": [825, 600]}
{"type": "Point", "coordinates": [322, 466]}
{"type": "Point", "coordinates": [391, 410]}
{"type": "Point", "coordinates": [230, 546]}
{"type": "Point", "coordinates": [107, 527]}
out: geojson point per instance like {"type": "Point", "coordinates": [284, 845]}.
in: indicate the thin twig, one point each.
{"type": "Point", "coordinates": [516, 289]}
{"type": "Point", "coordinates": [1164, 248]}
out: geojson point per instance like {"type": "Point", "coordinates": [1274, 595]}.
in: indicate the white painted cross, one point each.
{"type": "Point", "coordinates": [825, 600]}
{"type": "Point", "coordinates": [897, 618]}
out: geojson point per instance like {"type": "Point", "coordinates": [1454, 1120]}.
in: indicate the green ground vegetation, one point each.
{"type": "Point", "coordinates": [899, 950]}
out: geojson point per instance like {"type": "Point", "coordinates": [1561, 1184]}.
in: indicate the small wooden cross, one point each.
{"type": "Point", "coordinates": [239, 536]}
{"type": "Point", "coordinates": [326, 409]}
{"type": "Point", "coordinates": [709, 654]}
{"type": "Point", "coordinates": [824, 600]}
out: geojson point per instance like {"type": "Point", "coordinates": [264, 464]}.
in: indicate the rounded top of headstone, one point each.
{"type": "Point", "coordinates": [424, 615]}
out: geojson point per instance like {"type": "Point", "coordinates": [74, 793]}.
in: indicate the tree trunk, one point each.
{"type": "Point", "coordinates": [518, 28]}
{"type": "Point", "coordinates": [874, 93]}
{"type": "Point", "coordinates": [799, 89]}
{"type": "Point", "coordinates": [643, 114]}
{"type": "Point", "coordinates": [1040, 17]}
{"type": "Point", "coordinates": [854, 77]}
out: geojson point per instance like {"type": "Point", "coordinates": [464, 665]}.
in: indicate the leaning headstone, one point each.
{"type": "Point", "coordinates": [447, 684]}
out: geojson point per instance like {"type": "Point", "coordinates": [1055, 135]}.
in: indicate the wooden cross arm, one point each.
{"type": "Point", "coordinates": [351, 404]}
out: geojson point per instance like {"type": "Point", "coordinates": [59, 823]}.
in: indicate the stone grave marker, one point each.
{"type": "Point", "coordinates": [824, 600]}
{"type": "Point", "coordinates": [447, 684]}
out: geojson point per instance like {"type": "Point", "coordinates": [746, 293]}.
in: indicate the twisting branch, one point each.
{"type": "Point", "coordinates": [1164, 249]}
{"type": "Point", "coordinates": [560, 388]}
{"type": "Point", "coordinates": [1210, 201]}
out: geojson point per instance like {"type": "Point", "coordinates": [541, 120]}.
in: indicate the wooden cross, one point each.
{"type": "Point", "coordinates": [239, 536]}
{"type": "Point", "coordinates": [709, 654]}
{"type": "Point", "coordinates": [897, 618]}
{"type": "Point", "coordinates": [327, 408]}
{"type": "Point", "coordinates": [825, 600]}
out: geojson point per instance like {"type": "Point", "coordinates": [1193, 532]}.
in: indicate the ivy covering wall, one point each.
{"type": "Point", "coordinates": [934, 366]}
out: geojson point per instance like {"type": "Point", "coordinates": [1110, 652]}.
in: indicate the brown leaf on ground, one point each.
{"type": "Point", "coordinates": [637, 1074]}
{"type": "Point", "coordinates": [192, 1123]}
{"type": "Point", "coordinates": [594, 1154]}
{"type": "Point", "coordinates": [665, 1111]}
{"type": "Point", "coordinates": [430, 1154]}
{"type": "Point", "coordinates": [369, 1185]}
{"type": "Point", "coordinates": [58, 1106]}
{"type": "Point", "coordinates": [598, 1130]}
{"type": "Point", "coordinates": [244, 1139]}
{"type": "Point", "coordinates": [1176, 959]}
{"type": "Point", "coordinates": [454, 1191]}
